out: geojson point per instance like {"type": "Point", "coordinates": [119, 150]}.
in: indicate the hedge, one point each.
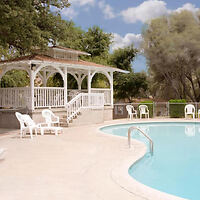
{"type": "Point", "coordinates": [176, 108]}
{"type": "Point", "coordinates": [150, 107]}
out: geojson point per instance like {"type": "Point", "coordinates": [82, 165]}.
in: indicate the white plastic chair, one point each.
{"type": "Point", "coordinates": [26, 124]}
{"type": "Point", "coordinates": [190, 110]}
{"type": "Point", "coordinates": [144, 111]}
{"type": "Point", "coordinates": [131, 111]}
{"type": "Point", "coordinates": [50, 117]}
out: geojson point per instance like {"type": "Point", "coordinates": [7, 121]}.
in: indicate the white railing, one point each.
{"type": "Point", "coordinates": [83, 100]}
{"type": "Point", "coordinates": [106, 92]}
{"type": "Point", "coordinates": [15, 97]}
{"type": "Point", "coordinates": [48, 97]}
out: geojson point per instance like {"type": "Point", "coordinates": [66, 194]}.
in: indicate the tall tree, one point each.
{"type": "Point", "coordinates": [127, 86]}
{"type": "Point", "coordinates": [122, 58]}
{"type": "Point", "coordinates": [73, 36]}
{"type": "Point", "coordinates": [26, 24]}
{"type": "Point", "coordinates": [96, 42]}
{"type": "Point", "coordinates": [172, 48]}
{"type": "Point", "coordinates": [132, 85]}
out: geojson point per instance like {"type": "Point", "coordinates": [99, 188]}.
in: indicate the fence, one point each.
{"type": "Point", "coordinates": [156, 109]}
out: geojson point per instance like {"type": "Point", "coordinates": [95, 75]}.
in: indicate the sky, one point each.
{"type": "Point", "coordinates": [125, 19]}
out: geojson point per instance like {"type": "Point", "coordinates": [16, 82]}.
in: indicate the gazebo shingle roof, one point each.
{"type": "Point", "coordinates": [56, 60]}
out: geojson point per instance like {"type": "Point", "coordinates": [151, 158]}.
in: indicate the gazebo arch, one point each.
{"type": "Point", "coordinates": [9, 68]}
{"type": "Point", "coordinates": [46, 66]}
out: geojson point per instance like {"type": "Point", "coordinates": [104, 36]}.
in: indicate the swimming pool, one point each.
{"type": "Point", "coordinates": [174, 167]}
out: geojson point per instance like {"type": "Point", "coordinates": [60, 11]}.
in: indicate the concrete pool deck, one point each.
{"type": "Point", "coordinates": [80, 164]}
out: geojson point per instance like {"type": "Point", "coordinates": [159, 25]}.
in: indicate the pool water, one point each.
{"type": "Point", "coordinates": [174, 167]}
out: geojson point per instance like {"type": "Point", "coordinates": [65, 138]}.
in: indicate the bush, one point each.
{"type": "Point", "coordinates": [176, 108]}
{"type": "Point", "coordinates": [150, 107]}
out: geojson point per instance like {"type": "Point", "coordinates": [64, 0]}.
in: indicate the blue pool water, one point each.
{"type": "Point", "coordinates": [174, 167]}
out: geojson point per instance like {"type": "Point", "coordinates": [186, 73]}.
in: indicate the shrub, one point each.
{"type": "Point", "coordinates": [176, 108]}
{"type": "Point", "coordinates": [150, 107]}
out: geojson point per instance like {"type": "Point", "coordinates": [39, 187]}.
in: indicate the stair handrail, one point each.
{"type": "Point", "coordinates": [75, 104]}
{"type": "Point", "coordinates": [129, 137]}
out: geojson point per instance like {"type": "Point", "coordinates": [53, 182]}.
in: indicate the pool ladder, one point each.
{"type": "Point", "coordinates": [129, 137]}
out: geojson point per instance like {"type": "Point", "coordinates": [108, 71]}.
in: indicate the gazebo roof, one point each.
{"type": "Point", "coordinates": [79, 64]}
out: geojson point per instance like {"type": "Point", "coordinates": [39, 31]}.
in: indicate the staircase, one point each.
{"type": "Point", "coordinates": [83, 109]}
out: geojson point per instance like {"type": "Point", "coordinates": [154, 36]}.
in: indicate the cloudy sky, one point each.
{"type": "Point", "coordinates": [124, 18]}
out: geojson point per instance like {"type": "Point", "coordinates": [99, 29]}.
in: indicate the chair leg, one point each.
{"type": "Point", "coordinates": [42, 131]}
{"type": "Point", "coordinates": [31, 133]}
{"type": "Point", "coordinates": [21, 133]}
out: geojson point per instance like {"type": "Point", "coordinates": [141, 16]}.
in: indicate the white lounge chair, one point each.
{"type": "Point", "coordinates": [131, 111]}
{"type": "Point", "coordinates": [50, 117]}
{"type": "Point", "coordinates": [26, 124]}
{"type": "Point", "coordinates": [190, 110]}
{"type": "Point", "coordinates": [144, 111]}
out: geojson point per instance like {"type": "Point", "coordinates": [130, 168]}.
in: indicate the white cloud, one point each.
{"type": "Point", "coordinates": [144, 12]}
{"type": "Point", "coordinates": [189, 7]}
{"type": "Point", "coordinates": [74, 9]}
{"type": "Point", "coordinates": [82, 2]}
{"type": "Point", "coordinates": [128, 39]}
{"type": "Point", "coordinates": [107, 10]}
{"type": "Point", "coordinates": [151, 9]}
{"type": "Point", "coordinates": [69, 12]}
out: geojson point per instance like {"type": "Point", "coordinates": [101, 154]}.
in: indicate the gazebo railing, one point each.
{"type": "Point", "coordinates": [44, 97]}
{"type": "Point", "coordinates": [15, 97]}
{"type": "Point", "coordinates": [106, 92]}
{"type": "Point", "coordinates": [49, 97]}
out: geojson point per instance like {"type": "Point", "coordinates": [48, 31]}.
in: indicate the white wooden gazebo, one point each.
{"type": "Point", "coordinates": [43, 65]}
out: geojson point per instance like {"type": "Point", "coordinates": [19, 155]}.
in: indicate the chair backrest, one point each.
{"type": "Point", "coordinates": [129, 109]}
{"type": "Point", "coordinates": [47, 114]}
{"type": "Point", "coordinates": [143, 108]}
{"type": "Point", "coordinates": [28, 121]}
{"type": "Point", "coordinates": [189, 108]}
{"type": "Point", "coordinates": [19, 116]}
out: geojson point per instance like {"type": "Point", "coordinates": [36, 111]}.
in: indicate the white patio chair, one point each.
{"type": "Point", "coordinates": [131, 111]}
{"type": "Point", "coordinates": [26, 124]}
{"type": "Point", "coordinates": [190, 110]}
{"type": "Point", "coordinates": [143, 109]}
{"type": "Point", "coordinates": [50, 117]}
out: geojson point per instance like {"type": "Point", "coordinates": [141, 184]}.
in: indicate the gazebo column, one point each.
{"type": "Point", "coordinates": [65, 87]}
{"type": "Point", "coordinates": [89, 85]}
{"type": "Point", "coordinates": [111, 88]}
{"type": "Point", "coordinates": [32, 77]}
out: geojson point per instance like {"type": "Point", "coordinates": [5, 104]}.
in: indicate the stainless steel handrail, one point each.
{"type": "Point", "coordinates": [129, 137]}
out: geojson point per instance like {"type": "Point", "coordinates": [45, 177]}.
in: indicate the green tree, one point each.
{"type": "Point", "coordinates": [122, 58]}
{"type": "Point", "coordinates": [96, 42]}
{"type": "Point", "coordinates": [132, 85]}
{"type": "Point", "coordinates": [172, 48]}
{"type": "Point", "coordinates": [73, 36]}
{"type": "Point", "coordinates": [27, 24]}
{"type": "Point", "coordinates": [127, 86]}
{"type": "Point", "coordinates": [15, 78]}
